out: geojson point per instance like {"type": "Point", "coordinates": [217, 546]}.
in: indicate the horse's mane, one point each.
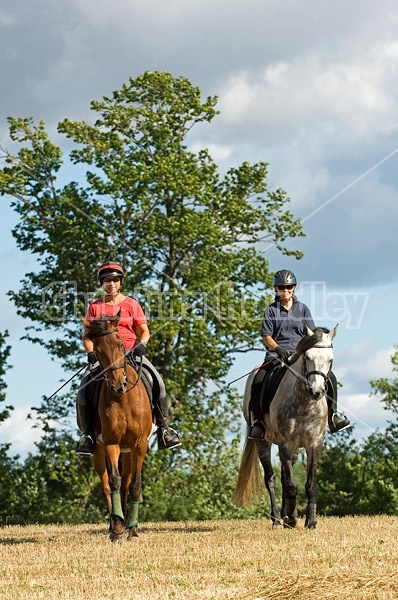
{"type": "Point", "coordinates": [307, 342]}
{"type": "Point", "coordinates": [96, 327]}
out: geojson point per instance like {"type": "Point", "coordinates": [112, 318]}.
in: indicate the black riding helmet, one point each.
{"type": "Point", "coordinates": [284, 277]}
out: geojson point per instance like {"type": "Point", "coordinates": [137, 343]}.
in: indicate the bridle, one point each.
{"type": "Point", "coordinates": [116, 367]}
{"type": "Point", "coordinates": [306, 374]}
{"type": "Point", "coordinates": [315, 372]}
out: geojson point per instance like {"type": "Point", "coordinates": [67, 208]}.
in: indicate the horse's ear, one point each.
{"type": "Point", "coordinates": [333, 332]}
{"type": "Point", "coordinates": [85, 323]}
{"type": "Point", "coordinates": [307, 330]}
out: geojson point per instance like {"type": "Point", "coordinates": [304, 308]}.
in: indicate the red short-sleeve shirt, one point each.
{"type": "Point", "coordinates": [131, 315]}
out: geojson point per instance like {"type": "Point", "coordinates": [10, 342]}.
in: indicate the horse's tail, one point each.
{"type": "Point", "coordinates": [250, 484]}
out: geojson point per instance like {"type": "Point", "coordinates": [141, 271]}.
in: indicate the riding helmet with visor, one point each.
{"type": "Point", "coordinates": [110, 269]}
{"type": "Point", "coordinates": [284, 277]}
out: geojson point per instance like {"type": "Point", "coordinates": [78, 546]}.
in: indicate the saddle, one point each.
{"type": "Point", "coordinates": [91, 384]}
{"type": "Point", "coordinates": [90, 387]}
{"type": "Point", "coordinates": [270, 385]}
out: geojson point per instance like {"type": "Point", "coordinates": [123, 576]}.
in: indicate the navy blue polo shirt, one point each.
{"type": "Point", "coordinates": [286, 327]}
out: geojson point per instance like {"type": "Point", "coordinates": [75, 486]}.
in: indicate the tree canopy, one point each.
{"type": "Point", "coordinates": [387, 389]}
{"type": "Point", "coordinates": [189, 238]}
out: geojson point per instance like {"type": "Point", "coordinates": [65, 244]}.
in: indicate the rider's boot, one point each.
{"type": "Point", "coordinates": [257, 427]}
{"type": "Point", "coordinates": [257, 430]}
{"type": "Point", "coordinates": [336, 419]}
{"type": "Point", "coordinates": [167, 437]}
{"type": "Point", "coordinates": [86, 445]}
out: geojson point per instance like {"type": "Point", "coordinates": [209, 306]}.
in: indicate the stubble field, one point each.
{"type": "Point", "coordinates": [351, 558]}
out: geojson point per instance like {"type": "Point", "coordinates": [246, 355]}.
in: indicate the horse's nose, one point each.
{"type": "Point", "coordinates": [119, 389]}
{"type": "Point", "coordinates": [316, 394]}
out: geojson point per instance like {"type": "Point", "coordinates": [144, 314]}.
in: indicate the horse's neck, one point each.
{"type": "Point", "coordinates": [296, 372]}
{"type": "Point", "coordinates": [297, 367]}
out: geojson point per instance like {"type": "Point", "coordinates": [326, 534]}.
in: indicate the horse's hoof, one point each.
{"type": "Point", "coordinates": [118, 537]}
{"type": "Point", "coordinates": [276, 524]}
{"type": "Point", "coordinates": [132, 533]}
{"type": "Point", "coordinates": [290, 523]}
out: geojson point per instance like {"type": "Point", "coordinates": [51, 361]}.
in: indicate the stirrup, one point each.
{"type": "Point", "coordinates": [85, 446]}
{"type": "Point", "coordinates": [259, 425]}
{"type": "Point", "coordinates": [339, 418]}
{"type": "Point", "coordinates": [167, 438]}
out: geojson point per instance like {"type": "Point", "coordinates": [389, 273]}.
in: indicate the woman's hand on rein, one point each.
{"type": "Point", "coordinates": [139, 349]}
{"type": "Point", "coordinates": [92, 358]}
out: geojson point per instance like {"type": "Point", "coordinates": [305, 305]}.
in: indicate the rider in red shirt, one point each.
{"type": "Point", "coordinates": [131, 315]}
{"type": "Point", "coordinates": [134, 331]}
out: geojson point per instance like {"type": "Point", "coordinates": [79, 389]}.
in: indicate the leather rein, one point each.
{"type": "Point", "coordinates": [121, 366]}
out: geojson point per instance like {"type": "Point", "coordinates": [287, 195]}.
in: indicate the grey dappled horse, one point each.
{"type": "Point", "coordinates": [298, 418]}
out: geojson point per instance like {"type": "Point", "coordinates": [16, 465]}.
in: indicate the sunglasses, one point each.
{"type": "Point", "coordinates": [111, 279]}
{"type": "Point", "coordinates": [285, 287]}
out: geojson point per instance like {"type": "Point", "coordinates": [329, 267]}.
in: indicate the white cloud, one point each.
{"type": "Point", "coordinates": [217, 152]}
{"type": "Point", "coordinates": [6, 19]}
{"type": "Point", "coordinates": [365, 413]}
{"type": "Point", "coordinates": [317, 93]}
{"type": "Point", "coordinates": [364, 362]}
{"type": "Point", "coordinates": [19, 431]}
{"type": "Point", "coordinates": [238, 99]}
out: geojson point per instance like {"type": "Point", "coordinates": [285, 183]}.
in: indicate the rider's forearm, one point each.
{"type": "Point", "coordinates": [269, 342]}
{"type": "Point", "coordinates": [88, 345]}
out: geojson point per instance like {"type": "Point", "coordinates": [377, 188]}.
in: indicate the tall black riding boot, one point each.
{"type": "Point", "coordinates": [86, 417]}
{"type": "Point", "coordinates": [336, 419]}
{"type": "Point", "coordinates": [257, 427]}
{"type": "Point", "coordinates": [167, 437]}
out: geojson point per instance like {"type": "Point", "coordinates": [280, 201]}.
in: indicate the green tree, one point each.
{"type": "Point", "coordinates": [360, 478]}
{"type": "Point", "coordinates": [363, 478]}
{"type": "Point", "coordinates": [339, 476]}
{"type": "Point", "coordinates": [387, 389]}
{"type": "Point", "coordinates": [52, 486]}
{"type": "Point", "coordinates": [188, 237]}
{"type": "Point", "coordinates": [379, 490]}
{"type": "Point", "coordinates": [4, 355]}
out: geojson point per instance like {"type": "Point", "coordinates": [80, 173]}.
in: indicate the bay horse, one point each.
{"type": "Point", "coordinates": [297, 418]}
{"type": "Point", "coordinates": [123, 428]}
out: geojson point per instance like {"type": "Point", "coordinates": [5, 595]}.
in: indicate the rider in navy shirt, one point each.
{"type": "Point", "coordinates": [282, 328]}
{"type": "Point", "coordinates": [286, 325]}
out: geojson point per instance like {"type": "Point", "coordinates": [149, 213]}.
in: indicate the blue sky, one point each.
{"type": "Point", "coordinates": [311, 89]}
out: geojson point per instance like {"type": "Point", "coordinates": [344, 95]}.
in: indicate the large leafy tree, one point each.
{"type": "Point", "coordinates": [188, 237]}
